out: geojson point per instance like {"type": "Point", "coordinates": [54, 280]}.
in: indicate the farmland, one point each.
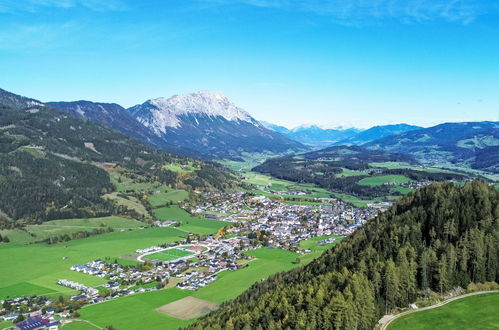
{"type": "Point", "coordinates": [122, 313]}
{"type": "Point", "coordinates": [384, 179]}
{"type": "Point", "coordinates": [35, 268]}
{"type": "Point", "coordinates": [459, 314]}
{"type": "Point", "coordinates": [37, 233]}
{"type": "Point", "coordinates": [172, 195]}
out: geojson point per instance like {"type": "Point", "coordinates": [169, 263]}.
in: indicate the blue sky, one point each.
{"type": "Point", "coordinates": [330, 62]}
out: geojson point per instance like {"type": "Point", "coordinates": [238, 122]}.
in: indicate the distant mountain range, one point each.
{"type": "Point", "coordinates": [203, 124]}
{"type": "Point", "coordinates": [208, 125]}
{"type": "Point", "coordinates": [317, 137]}
{"type": "Point", "coordinates": [468, 144]}
{"type": "Point", "coordinates": [377, 132]}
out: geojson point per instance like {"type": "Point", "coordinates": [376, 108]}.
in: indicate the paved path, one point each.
{"type": "Point", "coordinates": [387, 319]}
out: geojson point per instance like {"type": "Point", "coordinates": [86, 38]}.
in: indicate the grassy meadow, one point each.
{"type": "Point", "coordinates": [188, 222]}
{"type": "Point", "coordinates": [35, 268]}
{"type": "Point", "coordinates": [474, 312]}
{"type": "Point", "coordinates": [384, 179]}
{"type": "Point", "coordinates": [37, 233]}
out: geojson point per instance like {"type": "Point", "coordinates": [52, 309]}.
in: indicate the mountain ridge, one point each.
{"type": "Point", "coordinates": [463, 143]}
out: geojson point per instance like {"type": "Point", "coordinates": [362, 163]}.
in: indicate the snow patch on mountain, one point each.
{"type": "Point", "coordinates": [162, 113]}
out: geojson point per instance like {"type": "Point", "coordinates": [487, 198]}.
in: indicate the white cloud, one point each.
{"type": "Point", "coordinates": [359, 12]}
{"type": "Point", "coordinates": [10, 6]}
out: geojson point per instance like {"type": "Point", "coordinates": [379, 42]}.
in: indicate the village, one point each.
{"type": "Point", "coordinates": [253, 221]}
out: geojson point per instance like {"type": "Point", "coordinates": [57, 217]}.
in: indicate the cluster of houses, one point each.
{"type": "Point", "coordinates": [286, 225]}
{"type": "Point", "coordinates": [78, 286]}
{"type": "Point", "coordinates": [327, 241]}
{"type": "Point", "coordinates": [41, 315]}
{"type": "Point", "coordinates": [38, 322]}
{"type": "Point", "coordinates": [196, 281]}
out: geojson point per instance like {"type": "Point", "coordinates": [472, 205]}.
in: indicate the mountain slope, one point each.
{"type": "Point", "coordinates": [377, 132]}
{"type": "Point", "coordinates": [118, 118]}
{"type": "Point", "coordinates": [51, 165]}
{"type": "Point", "coordinates": [209, 123]}
{"type": "Point", "coordinates": [12, 100]}
{"type": "Point", "coordinates": [470, 144]}
{"type": "Point", "coordinates": [437, 238]}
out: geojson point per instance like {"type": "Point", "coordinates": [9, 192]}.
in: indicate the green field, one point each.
{"type": "Point", "coordinates": [403, 165]}
{"type": "Point", "coordinates": [179, 168]}
{"type": "Point", "coordinates": [188, 222]}
{"type": "Point", "coordinates": [346, 172]}
{"type": "Point", "coordinates": [6, 324]}
{"type": "Point", "coordinates": [258, 179]}
{"type": "Point", "coordinates": [36, 233]}
{"type": "Point", "coordinates": [122, 313]}
{"type": "Point", "coordinates": [170, 254]}
{"type": "Point", "coordinates": [35, 268]}
{"type": "Point", "coordinates": [130, 202]}
{"type": "Point", "coordinates": [173, 195]}
{"type": "Point", "coordinates": [317, 250]}
{"type": "Point", "coordinates": [475, 312]}
{"type": "Point", "coordinates": [356, 201]}
{"type": "Point", "coordinates": [125, 184]}
{"type": "Point", "coordinates": [382, 179]}
{"type": "Point", "coordinates": [402, 190]}
{"type": "Point", "coordinates": [79, 325]}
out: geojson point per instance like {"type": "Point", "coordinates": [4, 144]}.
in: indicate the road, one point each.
{"type": "Point", "coordinates": [387, 319]}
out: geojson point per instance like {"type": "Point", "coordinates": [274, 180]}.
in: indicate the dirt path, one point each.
{"type": "Point", "coordinates": [387, 319]}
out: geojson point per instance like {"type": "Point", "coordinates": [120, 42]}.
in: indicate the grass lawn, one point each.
{"type": "Point", "coordinates": [35, 269]}
{"type": "Point", "coordinates": [136, 311]}
{"type": "Point", "coordinates": [382, 179]}
{"type": "Point", "coordinates": [475, 312]}
{"type": "Point", "coordinates": [170, 254]}
{"type": "Point", "coordinates": [6, 324]}
{"type": "Point", "coordinates": [122, 312]}
{"type": "Point", "coordinates": [175, 196]}
{"type": "Point", "coordinates": [79, 325]}
{"type": "Point", "coordinates": [188, 222]}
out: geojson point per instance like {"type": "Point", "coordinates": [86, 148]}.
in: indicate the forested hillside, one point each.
{"type": "Point", "coordinates": [325, 167]}
{"type": "Point", "coordinates": [468, 144]}
{"type": "Point", "coordinates": [437, 238]}
{"type": "Point", "coordinates": [52, 165]}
